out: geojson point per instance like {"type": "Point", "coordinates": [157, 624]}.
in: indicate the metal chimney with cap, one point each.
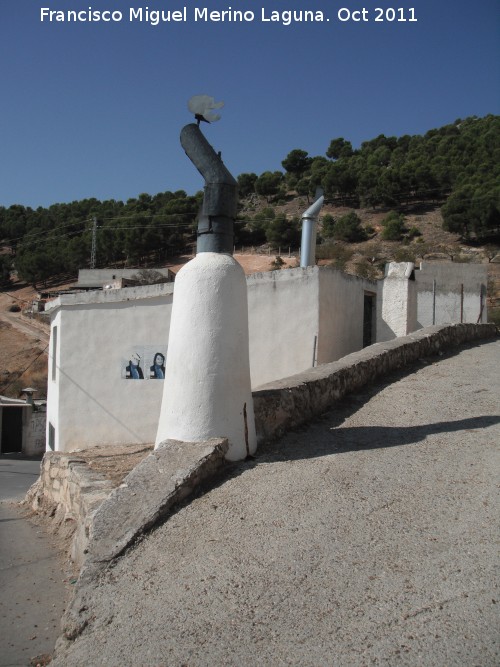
{"type": "Point", "coordinates": [309, 232]}
{"type": "Point", "coordinates": [207, 391]}
{"type": "Point", "coordinates": [29, 391]}
{"type": "Point", "coordinates": [220, 199]}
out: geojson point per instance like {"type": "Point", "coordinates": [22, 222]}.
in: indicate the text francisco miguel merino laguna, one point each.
{"type": "Point", "coordinates": [183, 15]}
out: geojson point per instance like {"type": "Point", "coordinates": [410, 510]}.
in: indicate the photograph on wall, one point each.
{"type": "Point", "coordinates": [133, 367]}
{"type": "Point", "coordinates": [144, 362]}
{"type": "Point", "coordinates": [157, 368]}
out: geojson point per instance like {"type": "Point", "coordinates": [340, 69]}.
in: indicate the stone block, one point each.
{"type": "Point", "coordinates": [150, 490]}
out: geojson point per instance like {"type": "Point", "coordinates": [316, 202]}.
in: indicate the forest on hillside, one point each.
{"type": "Point", "coordinates": [456, 166]}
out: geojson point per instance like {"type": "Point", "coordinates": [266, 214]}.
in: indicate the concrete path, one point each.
{"type": "Point", "coordinates": [32, 591]}
{"type": "Point", "coordinates": [369, 538]}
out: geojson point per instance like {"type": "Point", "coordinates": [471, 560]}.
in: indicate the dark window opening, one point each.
{"type": "Point", "coordinates": [369, 320]}
{"type": "Point", "coordinates": [54, 353]}
{"type": "Point", "coordinates": [52, 437]}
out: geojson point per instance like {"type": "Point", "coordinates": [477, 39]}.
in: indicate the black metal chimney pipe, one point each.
{"type": "Point", "coordinates": [219, 208]}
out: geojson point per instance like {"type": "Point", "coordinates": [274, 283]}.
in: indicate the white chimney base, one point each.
{"type": "Point", "coordinates": [207, 391]}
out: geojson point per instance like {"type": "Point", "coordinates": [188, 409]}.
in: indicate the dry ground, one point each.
{"type": "Point", "coordinates": [115, 462]}
{"type": "Point", "coordinates": [23, 347]}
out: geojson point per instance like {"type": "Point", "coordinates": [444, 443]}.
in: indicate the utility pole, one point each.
{"type": "Point", "coordinates": [94, 240]}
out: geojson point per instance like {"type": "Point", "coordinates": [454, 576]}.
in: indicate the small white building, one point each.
{"type": "Point", "coordinates": [298, 318]}
{"type": "Point", "coordinates": [100, 341]}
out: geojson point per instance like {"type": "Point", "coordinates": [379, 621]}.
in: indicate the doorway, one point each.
{"type": "Point", "coordinates": [369, 319]}
{"type": "Point", "coordinates": [12, 429]}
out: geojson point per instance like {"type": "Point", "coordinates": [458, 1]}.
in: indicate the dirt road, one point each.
{"type": "Point", "coordinates": [32, 328]}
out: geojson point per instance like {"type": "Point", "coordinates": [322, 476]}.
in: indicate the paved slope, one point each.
{"type": "Point", "coordinates": [33, 594]}
{"type": "Point", "coordinates": [370, 537]}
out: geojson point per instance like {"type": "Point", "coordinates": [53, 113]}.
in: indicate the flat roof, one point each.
{"type": "Point", "coordinates": [111, 295]}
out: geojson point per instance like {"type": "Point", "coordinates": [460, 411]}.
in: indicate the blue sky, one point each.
{"type": "Point", "coordinates": [95, 109]}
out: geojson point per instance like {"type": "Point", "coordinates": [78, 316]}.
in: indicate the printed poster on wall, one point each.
{"type": "Point", "coordinates": [144, 362]}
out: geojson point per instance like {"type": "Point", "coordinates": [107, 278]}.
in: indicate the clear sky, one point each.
{"type": "Point", "coordinates": [94, 109]}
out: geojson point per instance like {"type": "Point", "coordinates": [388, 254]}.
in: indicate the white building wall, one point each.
{"type": "Point", "coordinates": [91, 402]}
{"type": "Point", "coordinates": [283, 322]}
{"type": "Point", "coordinates": [35, 441]}
{"type": "Point", "coordinates": [341, 308]}
{"type": "Point", "coordinates": [439, 293]}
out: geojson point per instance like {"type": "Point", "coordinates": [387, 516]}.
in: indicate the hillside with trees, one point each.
{"type": "Point", "coordinates": [373, 193]}
{"type": "Point", "coordinates": [457, 166]}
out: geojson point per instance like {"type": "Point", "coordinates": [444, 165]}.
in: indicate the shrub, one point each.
{"type": "Point", "coordinates": [405, 254]}
{"type": "Point", "coordinates": [337, 252]}
{"type": "Point", "coordinates": [413, 233]}
{"type": "Point", "coordinates": [328, 225]}
{"type": "Point", "coordinates": [283, 232]}
{"type": "Point", "coordinates": [364, 269]}
{"type": "Point", "coordinates": [278, 263]}
{"type": "Point", "coordinates": [394, 227]}
{"type": "Point", "coordinates": [348, 228]}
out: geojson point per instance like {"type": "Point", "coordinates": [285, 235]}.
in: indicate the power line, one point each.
{"type": "Point", "coordinates": [46, 231]}
{"type": "Point", "coordinates": [153, 215]}
{"type": "Point", "coordinates": [28, 242]}
{"type": "Point", "coordinates": [165, 226]}
{"type": "Point", "coordinates": [9, 241]}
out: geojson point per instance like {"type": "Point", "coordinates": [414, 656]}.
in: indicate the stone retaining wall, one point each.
{"type": "Point", "coordinates": [71, 492]}
{"type": "Point", "coordinates": [282, 405]}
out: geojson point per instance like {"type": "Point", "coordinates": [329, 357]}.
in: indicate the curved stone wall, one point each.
{"type": "Point", "coordinates": [282, 405]}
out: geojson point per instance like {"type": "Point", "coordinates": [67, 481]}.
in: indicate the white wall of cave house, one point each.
{"type": "Point", "coordinates": [298, 318]}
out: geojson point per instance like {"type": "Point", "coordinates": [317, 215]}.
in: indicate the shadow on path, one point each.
{"type": "Point", "coordinates": [353, 438]}
{"type": "Point", "coordinates": [325, 437]}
